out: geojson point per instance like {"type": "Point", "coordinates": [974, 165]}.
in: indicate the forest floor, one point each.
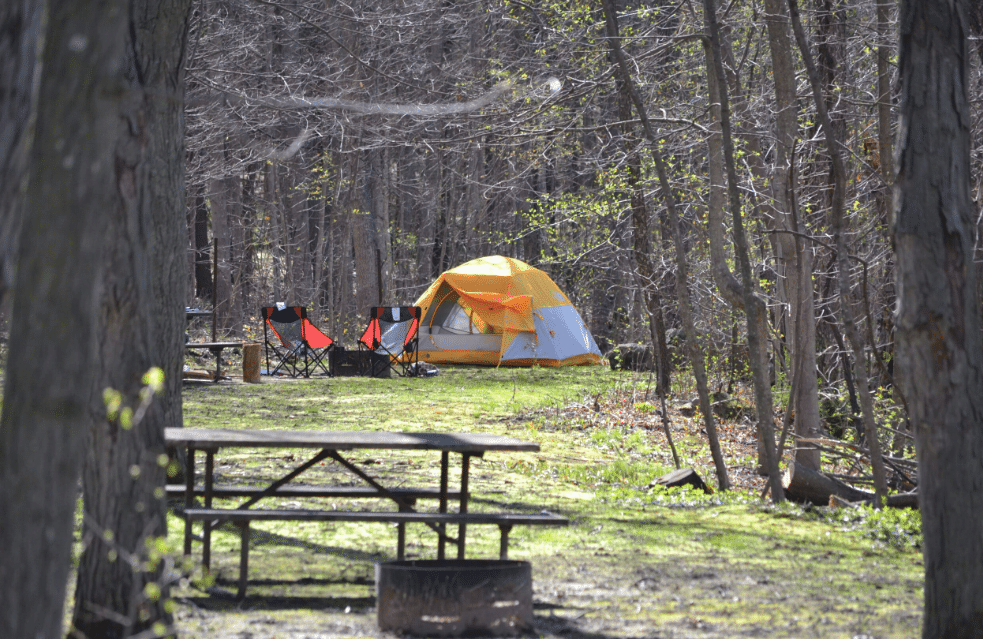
{"type": "Point", "coordinates": [635, 561]}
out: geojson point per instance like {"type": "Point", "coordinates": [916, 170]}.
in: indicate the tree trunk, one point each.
{"type": "Point", "coordinates": [371, 233]}
{"type": "Point", "coordinates": [124, 474]}
{"type": "Point", "coordinates": [754, 307]}
{"type": "Point", "coordinates": [723, 277]}
{"type": "Point", "coordinates": [844, 278]}
{"type": "Point", "coordinates": [682, 273]}
{"type": "Point", "coordinates": [804, 484]}
{"type": "Point", "coordinates": [939, 352]}
{"type": "Point", "coordinates": [45, 418]}
{"type": "Point", "coordinates": [203, 251]}
{"type": "Point", "coordinates": [20, 41]}
{"type": "Point", "coordinates": [793, 253]}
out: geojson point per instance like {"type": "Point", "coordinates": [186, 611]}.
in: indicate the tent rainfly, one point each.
{"type": "Point", "coordinates": [498, 310]}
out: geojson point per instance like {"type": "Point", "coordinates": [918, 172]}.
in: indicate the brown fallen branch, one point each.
{"type": "Point", "coordinates": [805, 485]}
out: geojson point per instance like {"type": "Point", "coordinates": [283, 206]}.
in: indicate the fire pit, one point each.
{"type": "Point", "coordinates": [448, 598]}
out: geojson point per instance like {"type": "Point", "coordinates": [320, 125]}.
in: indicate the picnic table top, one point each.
{"type": "Point", "coordinates": [345, 440]}
{"type": "Point", "coordinates": [213, 344]}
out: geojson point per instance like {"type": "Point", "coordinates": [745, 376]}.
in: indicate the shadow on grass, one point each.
{"type": "Point", "coordinates": [260, 538]}
{"type": "Point", "coordinates": [222, 597]}
{"type": "Point", "coordinates": [549, 620]}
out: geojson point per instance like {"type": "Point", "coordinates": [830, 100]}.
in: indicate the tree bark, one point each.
{"type": "Point", "coordinates": [20, 41]}
{"type": "Point", "coordinates": [202, 249]}
{"type": "Point", "coordinates": [939, 351]}
{"type": "Point", "coordinates": [45, 420]}
{"type": "Point", "coordinates": [144, 279]}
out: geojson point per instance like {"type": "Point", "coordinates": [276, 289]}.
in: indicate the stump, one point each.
{"type": "Point", "coordinates": [251, 355]}
{"type": "Point", "coordinates": [682, 477]}
{"type": "Point", "coordinates": [451, 598]}
{"type": "Point", "coordinates": [803, 484]}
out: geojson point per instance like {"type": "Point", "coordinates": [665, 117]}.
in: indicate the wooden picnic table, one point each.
{"type": "Point", "coordinates": [329, 445]}
{"type": "Point", "coordinates": [192, 313]}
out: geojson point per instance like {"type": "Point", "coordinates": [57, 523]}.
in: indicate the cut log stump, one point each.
{"type": "Point", "coordinates": [251, 355]}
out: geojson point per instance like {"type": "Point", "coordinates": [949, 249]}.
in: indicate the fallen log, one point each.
{"type": "Point", "coordinates": [805, 485]}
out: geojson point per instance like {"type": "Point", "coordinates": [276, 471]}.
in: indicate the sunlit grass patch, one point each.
{"type": "Point", "coordinates": [677, 560]}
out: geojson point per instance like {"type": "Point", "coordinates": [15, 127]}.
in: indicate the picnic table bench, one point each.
{"type": "Point", "coordinates": [329, 445]}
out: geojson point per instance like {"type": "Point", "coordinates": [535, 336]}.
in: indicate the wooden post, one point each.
{"type": "Point", "coordinates": [251, 354]}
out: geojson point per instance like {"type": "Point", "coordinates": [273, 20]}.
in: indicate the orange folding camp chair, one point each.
{"type": "Point", "coordinates": [392, 336]}
{"type": "Point", "coordinates": [293, 342]}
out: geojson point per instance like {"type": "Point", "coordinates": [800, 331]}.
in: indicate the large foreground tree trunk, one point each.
{"type": "Point", "coordinates": [20, 39]}
{"type": "Point", "coordinates": [940, 356]}
{"type": "Point", "coordinates": [45, 409]}
{"type": "Point", "coordinates": [123, 479]}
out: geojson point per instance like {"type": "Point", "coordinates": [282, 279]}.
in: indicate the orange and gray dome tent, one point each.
{"type": "Point", "coordinates": [498, 310]}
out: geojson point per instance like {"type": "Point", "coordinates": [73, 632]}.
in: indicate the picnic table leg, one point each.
{"type": "Point", "coordinates": [401, 535]}
{"type": "Point", "coordinates": [243, 559]}
{"type": "Point", "coordinates": [444, 458]}
{"type": "Point", "coordinates": [206, 533]}
{"type": "Point", "coordinates": [189, 487]}
{"type": "Point", "coordinates": [503, 547]}
{"type": "Point", "coordinates": [217, 352]}
{"type": "Point", "coordinates": [462, 528]}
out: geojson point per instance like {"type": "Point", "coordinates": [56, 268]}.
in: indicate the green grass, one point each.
{"type": "Point", "coordinates": [634, 561]}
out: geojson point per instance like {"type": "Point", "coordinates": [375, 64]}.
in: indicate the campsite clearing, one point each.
{"type": "Point", "coordinates": [633, 563]}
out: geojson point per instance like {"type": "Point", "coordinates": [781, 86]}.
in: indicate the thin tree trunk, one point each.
{"type": "Point", "coordinates": [723, 277]}
{"type": "Point", "coordinates": [682, 288]}
{"type": "Point", "coordinates": [754, 308]}
{"type": "Point", "coordinates": [844, 279]}
{"type": "Point", "coordinates": [203, 251]}
{"type": "Point", "coordinates": [794, 255]}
